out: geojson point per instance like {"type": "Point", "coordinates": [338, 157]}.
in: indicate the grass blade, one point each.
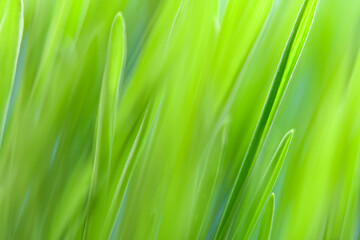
{"type": "Point", "coordinates": [266, 184]}
{"type": "Point", "coordinates": [282, 77]}
{"type": "Point", "coordinates": [241, 26]}
{"type": "Point", "coordinates": [124, 179]}
{"type": "Point", "coordinates": [267, 221]}
{"type": "Point", "coordinates": [107, 110]}
{"type": "Point", "coordinates": [11, 31]}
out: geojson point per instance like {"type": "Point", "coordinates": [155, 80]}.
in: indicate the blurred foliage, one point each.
{"type": "Point", "coordinates": [136, 119]}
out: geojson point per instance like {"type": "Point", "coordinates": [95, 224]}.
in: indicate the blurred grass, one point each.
{"type": "Point", "coordinates": [131, 119]}
{"type": "Point", "coordinates": [266, 222]}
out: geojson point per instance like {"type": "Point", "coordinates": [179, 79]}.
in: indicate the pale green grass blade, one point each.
{"type": "Point", "coordinates": [136, 164]}
{"type": "Point", "coordinates": [49, 53]}
{"type": "Point", "coordinates": [123, 181]}
{"type": "Point", "coordinates": [282, 77]}
{"type": "Point", "coordinates": [267, 220]}
{"type": "Point", "coordinates": [71, 203]}
{"type": "Point", "coordinates": [240, 15]}
{"type": "Point", "coordinates": [348, 229]}
{"type": "Point", "coordinates": [106, 114]}
{"type": "Point", "coordinates": [352, 206]}
{"type": "Point", "coordinates": [344, 221]}
{"type": "Point", "coordinates": [11, 31]}
{"type": "Point", "coordinates": [207, 183]}
{"type": "Point", "coordinates": [122, 176]}
{"type": "Point", "coordinates": [240, 26]}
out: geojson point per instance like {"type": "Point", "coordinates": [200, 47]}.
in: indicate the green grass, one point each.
{"type": "Point", "coordinates": [286, 67]}
{"type": "Point", "coordinates": [11, 28]}
{"type": "Point", "coordinates": [267, 220]}
{"type": "Point", "coordinates": [154, 119]}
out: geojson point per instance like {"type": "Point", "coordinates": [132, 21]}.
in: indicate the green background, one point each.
{"type": "Point", "coordinates": [135, 125]}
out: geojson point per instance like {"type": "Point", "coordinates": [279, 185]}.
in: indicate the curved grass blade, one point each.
{"type": "Point", "coordinates": [266, 184]}
{"type": "Point", "coordinates": [251, 208]}
{"type": "Point", "coordinates": [137, 156]}
{"type": "Point", "coordinates": [11, 31]}
{"type": "Point", "coordinates": [110, 90]}
{"type": "Point", "coordinates": [282, 77]}
{"type": "Point", "coordinates": [124, 179]}
{"type": "Point", "coordinates": [267, 221]}
{"type": "Point", "coordinates": [208, 180]}
{"type": "Point", "coordinates": [107, 108]}
{"type": "Point", "coordinates": [136, 164]}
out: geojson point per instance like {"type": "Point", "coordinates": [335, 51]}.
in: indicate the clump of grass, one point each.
{"type": "Point", "coordinates": [140, 119]}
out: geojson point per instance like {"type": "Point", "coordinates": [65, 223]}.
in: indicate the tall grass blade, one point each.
{"type": "Point", "coordinates": [124, 178]}
{"type": "Point", "coordinates": [107, 109]}
{"type": "Point", "coordinates": [11, 31]}
{"type": "Point", "coordinates": [282, 77]}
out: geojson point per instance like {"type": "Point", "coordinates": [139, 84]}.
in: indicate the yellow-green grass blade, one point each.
{"type": "Point", "coordinates": [144, 77]}
{"type": "Point", "coordinates": [122, 182]}
{"type": "Point", "coordinates": [348, 229]}
{"type": "Point", "coordinates": [241, 26]}
{"type": "Point", "coordinates": [49, 53]}
{"type": "Point", "coordinates": [11, 31]}
{"type": "Point", "coordinates": [71, 203]}
{"type": "Point", "coordinates": [267, 220]}
{"type": "Point", "coordinates": [282, 77]}
{"type": "Point", "coordinates": [106, 118]}
{"type": "Point", "coordinates": [136, 163]}
{"type": "Point", "coordinates": [341, 222]}
{"type": "Point", "coordinates": [257, 191]}
{"type": "Point", "coordinates": [205, 189]}
{"type": "Point", "coordinates": [255, 206]}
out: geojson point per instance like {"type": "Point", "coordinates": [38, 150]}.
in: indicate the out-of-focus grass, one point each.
{"type": "Point", "coordinates": [134, 119]}
{"type": "Point", "coordinates": [266, 222]}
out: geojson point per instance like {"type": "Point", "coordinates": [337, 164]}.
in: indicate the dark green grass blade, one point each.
{"type": "Point", "coordinates": [282, 77]}
{"type": "Point", "coordinates": [267, 220]}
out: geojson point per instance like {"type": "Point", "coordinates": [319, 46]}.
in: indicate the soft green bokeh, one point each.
{"type": "Point", "coordinates": [131, 119]}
